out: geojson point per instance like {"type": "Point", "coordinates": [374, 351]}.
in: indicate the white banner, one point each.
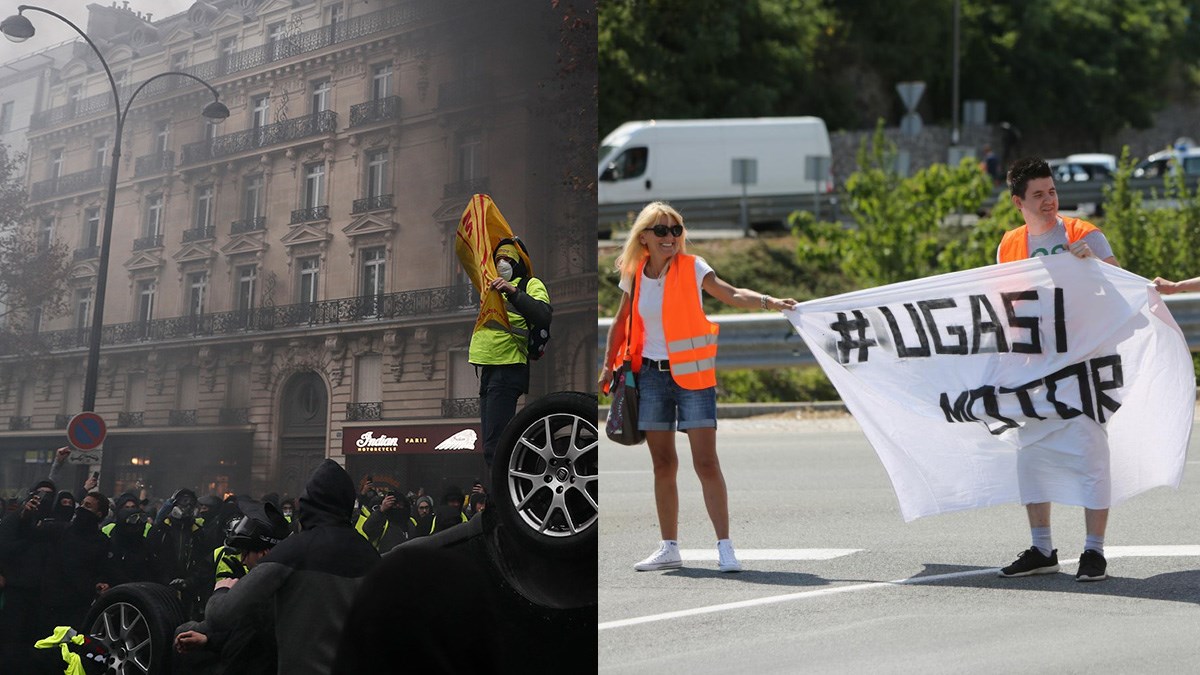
{"type": "Point", "coordinates": [1050, 379]}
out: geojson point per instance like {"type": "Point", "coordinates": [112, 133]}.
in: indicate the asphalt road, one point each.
{"type": "Point", "coordinates": [801, 490]}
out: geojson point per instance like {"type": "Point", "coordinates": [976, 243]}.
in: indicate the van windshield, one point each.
{"type": "Point", "coordinates": [605, 151]}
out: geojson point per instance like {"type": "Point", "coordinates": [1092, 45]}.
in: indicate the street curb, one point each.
{"type": "Point", "coordinates": [739, 410]}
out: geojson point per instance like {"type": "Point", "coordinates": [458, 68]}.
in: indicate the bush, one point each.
{"type": "Point", "coordinates": [803, 383]}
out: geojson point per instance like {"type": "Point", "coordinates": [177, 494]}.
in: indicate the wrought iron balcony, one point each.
{"type": "Point", "coordinates": [87, 253]}
{"type": "Point", "coordinates": [199, 233]}
{"type": "Point", "coordinates": [460, 407]}
{"type": "Point", "coordinates": [149, 165]}
{"type": "Point", "coordinates": [248, 225]}
{"type": "Point", "coordinates": [385, 20]}
{"type": "Point", "coordinates": [379, 110]}
{"type": "Point", "coordinates": [424, 303]}
{"type": "Point", "coordinates": [234, 416]}
{"type": "Point", "coordinates": [310, 214]}
{"type": "Point", "coordinates": [143, 243]}
{"type": "Point", "coordinates": [372, 204]}
{"type": "Point", "coordinates": [181, 418]}
{"type": "Point", "coordinates": [356, 412]}
{"type": "Point", "coordinates": [465, 188]}
{"type": "Point", "coordinates": [61, 420]}
{"type": "Point", "coordinates": [131, 419]}
{"type": "Point", "coordinates": [465, 92]}
{"type": "Point", "coordinates": [20, 422]}
{"type": "Point", "coordinates": [73, 182]}
{"type": "Point", "coordinates": [250, 139]}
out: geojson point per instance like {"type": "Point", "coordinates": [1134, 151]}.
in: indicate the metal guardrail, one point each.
{"type": "Point", "coordinates": [764, 340]}
{"type": "Point", "coordinates": [771, 212]}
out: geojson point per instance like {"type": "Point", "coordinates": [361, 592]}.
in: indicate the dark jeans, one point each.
{"type": "Point", "coordinates": [499, 389]}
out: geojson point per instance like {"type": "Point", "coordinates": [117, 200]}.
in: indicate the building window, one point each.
{"type": "Point", "coordinates": [135, 393]}
{"type": "Point", "coordinates": [252, 196]}
{"type": "Point", "coordinates": [368, 378]}
{"type": "Point", "coordinates": [146, 289]}
{"type": "Point", "coordinates": [45, 233]}
{"type": "Point", "coordinates": [162, 135]}
{"type": "Point", "coordinates": [374, 265]}
{"type": "Point", "coordinates": [247, 280]}
{"type": "Point", "coordinates": [377, 183]}
{"type": "Point", "coordinates": [179, 60]}
{"type": "Point", "coordinates": [83, 307]}
{"type": "Point", "coordinates": [91, 227]}
{"type": "Point", "coordinates": [74, 94]}
{"type": "Point", "coordinates": [314, 185]}
{"type": "Point", "coordinates": [100, 152]}
{"type": "Point", "coordinates": [204, 206]}
{"type": "Point", "coordinates": [228, 49]}
{"type": "Point", "coordinates": [470, 157]}
{"type": "Point", "coordinates": [197, 289]}
{"type": "Point", "coordinates": [56, 162]}
{"type": "Point", "coordinates": [275, 40]}
{"type": "Point", "coordinates": [238, 393]}
{"type": "Point", "coordinates": [320, 95]}
{"type": "Point", "coordinates": [381, 81]}
{"type": "Point", "coordinates": [187, 396]}
{"type": "Point", "coordinates": [6, 116]}
{"type": "Point", "coordinates": [310, 269]}
{"type": "Point", "coordinates": [73, 395]}
{"type": "Point", "coordinates": [260, 111]}
{"type": "Point", "coordinates": [35, 320]}
{"type": "Point", "coordinates": [154, 211]}
{"type": "Point", "coordinates": [334, 14]}
{"type": "Point", "coordinates": [464, 383]}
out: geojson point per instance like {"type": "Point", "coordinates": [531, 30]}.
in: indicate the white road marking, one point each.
{"type": "Point", "coordinates": [1109, 552]}
{"type": "Point", "coordinates": [770, 553]}
{"type": "Point", "coordinates": [612, 473]}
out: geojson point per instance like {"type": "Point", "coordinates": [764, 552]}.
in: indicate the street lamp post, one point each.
{"type": "Point", "coordinates": [17, 28]}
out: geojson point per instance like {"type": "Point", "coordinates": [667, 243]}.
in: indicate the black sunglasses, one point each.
{"type": "Point", "coordinates": [661, 230]}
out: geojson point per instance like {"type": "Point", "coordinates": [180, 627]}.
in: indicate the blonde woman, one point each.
{"type": "Point", "coordinates": [673, 348]}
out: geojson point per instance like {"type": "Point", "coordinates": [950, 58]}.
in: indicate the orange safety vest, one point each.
{"type": "Point", "coordinates": [691, 337]}
{"type": "Point", "coordinates": [1015, 245]}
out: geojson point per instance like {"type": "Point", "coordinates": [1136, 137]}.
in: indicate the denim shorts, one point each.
{"type": "Point", "coordinates": [665, 406]}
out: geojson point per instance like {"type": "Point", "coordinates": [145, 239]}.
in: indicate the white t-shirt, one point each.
{"type": "Point", "coordinates": [650, 302]}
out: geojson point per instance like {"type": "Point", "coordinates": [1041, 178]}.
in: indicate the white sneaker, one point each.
{"type": "Point", "coordinates": [726, 560]}
{"type": "Point", "coordinates": [665, 558]}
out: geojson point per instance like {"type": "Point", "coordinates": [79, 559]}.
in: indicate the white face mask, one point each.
{"type": "Point", "coordinates": [504, 268]}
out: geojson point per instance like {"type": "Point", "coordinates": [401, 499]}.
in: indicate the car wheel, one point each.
{"type": "Point", "coordinates": [546, 472]}
{"type": "Point", "coordinates": [136, 622]}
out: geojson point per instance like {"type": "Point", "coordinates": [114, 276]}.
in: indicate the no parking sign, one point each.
{"type": "Point", "coordinates": [86, 431]}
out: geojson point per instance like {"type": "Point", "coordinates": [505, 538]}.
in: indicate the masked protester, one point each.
{"type": "Point", "coordinates": [76, 572]}
{"type": "Point", "coordinates": [177, 554]}
{"type": "Point", "coordinates": [310, 577]}
{"type": "Point", "coordinates": [421, 524]}
{"type": "Point", "coordinates": [387, 526]}
{"type": "Point", "coordinates": [503, 354]}
{"type": "Point", "coordinates": [249, 648]}
{"type": "Point", "coordinates": [129, 552]}
{"type": "Point", "coordinates": [25, 547]}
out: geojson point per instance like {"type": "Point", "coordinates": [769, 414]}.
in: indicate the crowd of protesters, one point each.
{"type": "Point", "coordinates": [61, 550]}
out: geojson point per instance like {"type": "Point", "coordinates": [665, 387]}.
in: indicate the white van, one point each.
{"type": "Point", "coordinates": [693, 159]}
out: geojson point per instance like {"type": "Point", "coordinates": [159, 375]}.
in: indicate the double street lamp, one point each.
{"type": "Point", "coordinates": [17, 28]}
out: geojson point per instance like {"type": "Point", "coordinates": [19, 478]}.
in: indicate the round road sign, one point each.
{"type": "Point", "coordinates": [86, 431]}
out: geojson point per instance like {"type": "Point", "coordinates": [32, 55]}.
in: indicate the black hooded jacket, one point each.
{"type": "Point", "coordinates": [312, 576]}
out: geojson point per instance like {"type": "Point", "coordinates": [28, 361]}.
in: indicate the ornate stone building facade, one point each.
{"type": "Point", "coordinates": [287, 277]}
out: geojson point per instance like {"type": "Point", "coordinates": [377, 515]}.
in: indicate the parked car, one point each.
{"type": "Point", "coordinates": [1158, 164]}
{"type": "Point", "coordinates": [1084, 167]}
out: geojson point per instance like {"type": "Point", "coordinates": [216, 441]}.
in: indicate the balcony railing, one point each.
{"type": "Point", "coordinates": [427, 302]}
{"type": "Point", "coordinates": [181, 418]}
{"type": "Point", "coordinates": [385, 20]}
{"type": "Point", "coordinates": [131, 419]}
{"type": "Point", "coordinates": [379, 110]}
{"type": "Point", "coordinates": [356, 412]}
{"type": "Point", "coordinates": [372, 204]}
{"type": "Point", "coordinates": [87, 253]}
{"type": "Point", "coordinates": [310, 214]}
{"type": "Point", "coordinates": [465, 92]}
{"type": "Point", "coordinates": [143, 243]}
{"type": "Point", "coordinates": [460, 407]}
{"type": "Point", "coordinates": [465, 188]}
{"type": "Point", "coordinates": [248, 225]}
{"type": "Point", "coordinates": [20, 422]}
{"type": "Point", "coordinates": [61, 420]}
{"type": "Point", "coordinates": [234, 416]}
{"type": "Point", "coordinates": [250, 139]}
{"type": "Point", "coordinates": [149, 165]}
{"type": "Point", "coordinates": [68, 184]}
{"type": "Point", "coordinates": [199, 233]}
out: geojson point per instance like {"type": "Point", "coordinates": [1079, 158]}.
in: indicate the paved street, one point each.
{"type": "Point", "coordinates": [836, 582]}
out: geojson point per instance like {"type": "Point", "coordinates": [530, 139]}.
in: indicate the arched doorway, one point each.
{"type": "Point", "coordinates": [303, 414]}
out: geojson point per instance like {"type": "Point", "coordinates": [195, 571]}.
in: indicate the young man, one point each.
{"type": "Point", "coordinates": [1045, 232]}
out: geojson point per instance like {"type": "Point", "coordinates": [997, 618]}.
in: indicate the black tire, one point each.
{"type": "Point", "coordinates": [545, 476]}
{"type": "Point", "coordinates": [137, 623]}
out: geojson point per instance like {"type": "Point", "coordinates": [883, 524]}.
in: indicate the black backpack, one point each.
{"type": "Point", "coordinates": [538, 335]}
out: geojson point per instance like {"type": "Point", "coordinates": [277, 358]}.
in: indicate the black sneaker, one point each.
{"type": "Point", "coordinates": [1032, 562]}
{"type": "Point", "coordinates": [1091, 566]}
